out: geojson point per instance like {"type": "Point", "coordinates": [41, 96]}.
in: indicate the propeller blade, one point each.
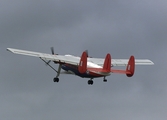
{"type": "Point", "coordinates": [52, 50]}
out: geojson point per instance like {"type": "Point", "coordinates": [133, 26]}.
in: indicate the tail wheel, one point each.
{"type": "Point", "coordinates": [105, 80]}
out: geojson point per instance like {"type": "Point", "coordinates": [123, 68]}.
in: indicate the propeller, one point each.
{"type": "Point", "coordinates": [52, 50]}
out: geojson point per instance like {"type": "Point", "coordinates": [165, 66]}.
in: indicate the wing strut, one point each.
{"type": "Point", "coordinates": [58, 72]}
{"type": "Point", "coordinates": [50, 65]}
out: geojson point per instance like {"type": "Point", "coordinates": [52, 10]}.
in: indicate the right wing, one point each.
{"type": "Point", "coordinates": [56, 58]}
{"type": "Point", "coordinates": [121, 62]}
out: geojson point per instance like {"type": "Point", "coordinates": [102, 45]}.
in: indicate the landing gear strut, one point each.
{"type": "Point", "coordinates": [56, 79]}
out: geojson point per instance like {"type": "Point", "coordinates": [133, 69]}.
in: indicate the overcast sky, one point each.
{"type": "Point", "coordinates": [121, 28]}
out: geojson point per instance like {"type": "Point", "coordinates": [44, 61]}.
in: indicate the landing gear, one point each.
{"type": "Point", "coordinates": [55, 79]}
{"type": "Point", "coordinates": [90, 82]}
{"type": "Point", "coordinates": [104, 80]}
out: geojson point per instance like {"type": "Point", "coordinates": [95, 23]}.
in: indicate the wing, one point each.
{"type": "Point", "coordinates": [75, 60]}
{"type": "Point", "coordinates": [121, 62]}
{"type": "Point", "coordinates": [56, 58]}
{"type": "Point", "coordinates": [124, 62]}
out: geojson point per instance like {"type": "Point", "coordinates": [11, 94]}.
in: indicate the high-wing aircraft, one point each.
{"type": "Point", "coordinates": [85, 66]}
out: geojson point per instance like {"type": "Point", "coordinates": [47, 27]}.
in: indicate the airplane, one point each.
{"type": "Point", "coordinates": [85, 66]}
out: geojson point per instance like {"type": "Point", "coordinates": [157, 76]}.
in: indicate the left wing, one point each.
{"type": "Point", "coordinates": [56, 58]}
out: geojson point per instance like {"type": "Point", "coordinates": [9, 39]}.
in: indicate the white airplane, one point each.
{"type": "Point", "coordinates": [85, 66]}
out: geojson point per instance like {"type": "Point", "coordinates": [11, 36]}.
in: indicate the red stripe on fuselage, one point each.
{"type": "Point", "coordinates": [95, 74]}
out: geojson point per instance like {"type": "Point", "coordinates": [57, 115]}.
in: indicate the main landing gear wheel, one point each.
{"type": "Point", "coordinates": [105, 80]}
{"type": "Point", "coordinates": [55, 79]}
{"type": "Point", "coordinates": [90, 82]}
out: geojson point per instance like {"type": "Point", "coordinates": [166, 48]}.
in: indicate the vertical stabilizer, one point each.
{"type": "Point", "coordinates": [107, 63]}
{"type": "Point", "coordinates": [130, 67]}
{"type": "Point", "coordinates": [83, 63]}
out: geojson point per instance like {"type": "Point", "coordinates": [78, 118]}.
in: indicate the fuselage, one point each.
{"type": "Point", "coordinates": [73, 69]}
